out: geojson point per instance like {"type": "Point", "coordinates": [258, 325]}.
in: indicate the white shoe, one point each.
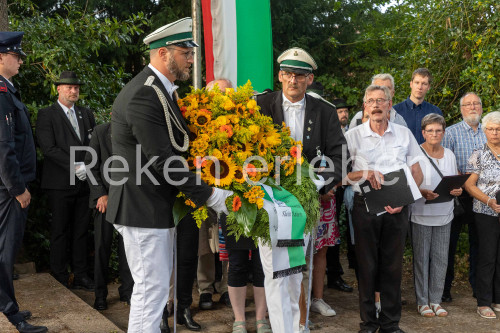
{"type": "Point", "coordinates": [318, 305]}
{"type": "Point", "coordinates": [378, 308]}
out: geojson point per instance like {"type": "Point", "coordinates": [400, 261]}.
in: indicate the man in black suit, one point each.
{"type": "Point", "coordinates": [100, 145]}
{"type": "Point", "coordinates": [149, 135]}
{"type": "Point", "coordinates": [17, 169]}
{"type": "Point", "coordinates": [314, 122]}
{"type": "Point", "coordinates": [62, 130]}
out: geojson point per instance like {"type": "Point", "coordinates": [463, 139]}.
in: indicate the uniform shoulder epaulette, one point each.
{"type": "Point", "coordinates": [3, 87]}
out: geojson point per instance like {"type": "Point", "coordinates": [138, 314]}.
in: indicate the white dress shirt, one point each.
{"type": "Point", "coordinates": [294, 114]}
{"type": "Point", "coordinates": [166, 82]}
{"type": "Point", "coordinates": [395, 149]}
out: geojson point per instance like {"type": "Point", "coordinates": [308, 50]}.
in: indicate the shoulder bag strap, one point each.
{"type": "Point", "coordinates": [432, 162]}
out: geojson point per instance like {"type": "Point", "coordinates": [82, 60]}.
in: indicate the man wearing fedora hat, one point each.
{"type": "Point", "coordinates": [314, 122]}
{"type": "Point", "coordinates": [17, 169]}
{"type": "Point", "coordinates": [62, 129]}
{"type": "Point", "coordinates": [149, 136]}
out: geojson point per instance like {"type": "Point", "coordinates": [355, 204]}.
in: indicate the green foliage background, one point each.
{"type": "Point", "coordinates": [351, 40]}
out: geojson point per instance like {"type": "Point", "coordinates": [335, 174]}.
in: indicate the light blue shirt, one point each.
{"type": "Point", "coordinates": [462, 141]}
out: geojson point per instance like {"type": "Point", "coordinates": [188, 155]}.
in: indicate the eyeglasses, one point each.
{"type": "Point", "coordinates": [468, 105]}
{"type": "Point", "coordinates": [187, 54]}
{"type": "Point", "coordinates": [16, 55]}
{"type": "Point", "coordinates": [434, 131]}
{"type": "Point", "coordinates": [289, 76]}
{"type": "Point", "coordinates": [380, 101]}
{"type": "Point", "coordinates": [493, 130]}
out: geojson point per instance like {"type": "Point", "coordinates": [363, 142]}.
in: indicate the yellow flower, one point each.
{"type": "Point", "coordinates": [254, 194]}
{"type": "Point", "coordinates": [216, 153]}
{"type": "Point", "coordinates": [252, 104]}
{"type": "Point", "coordinates": [273, 139]}
{"type": "Point", "coordinates": [254, 129]}
{"type": "Point", "coordinates": [238, 175]}
{"type": "Point", "coordinates": [202, 118]}
{"type": "Point", "coordinates": [228, 105]}
{"type": "Point", "coordinates": [226, 171]}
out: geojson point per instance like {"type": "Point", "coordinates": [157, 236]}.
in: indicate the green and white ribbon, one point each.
{"type": "Point", "coordinates": [287, 220]}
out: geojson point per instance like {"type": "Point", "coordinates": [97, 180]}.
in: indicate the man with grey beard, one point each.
{"type": "Point", "coordinates": [462, 139]}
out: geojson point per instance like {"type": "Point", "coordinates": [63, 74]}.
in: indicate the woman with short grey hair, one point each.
{"type": "Point", "coordinates": [484, 186]}
{"type": "Point", "coordinates": [431, 223]}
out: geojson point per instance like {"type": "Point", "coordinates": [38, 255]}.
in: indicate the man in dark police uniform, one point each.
{"type": "Point", "coordinates": [17, 169]}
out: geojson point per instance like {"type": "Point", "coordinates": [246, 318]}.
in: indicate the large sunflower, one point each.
{"type": "Point", "coordinates": [202, 118]}
{"type": "Point", "coordinates": [226, 172]}
{"type": "Point", "coordinates": [238, 175]}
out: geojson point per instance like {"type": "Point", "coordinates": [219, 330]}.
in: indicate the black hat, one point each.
{"type": "Point", "coordinates": [341, 103]}
{"type": "Point", "coordinates": [10, 41]}
{"type": "Point", "coordinates": [316, 87]}
{"type": "Point", "coordinates": [68, 77]}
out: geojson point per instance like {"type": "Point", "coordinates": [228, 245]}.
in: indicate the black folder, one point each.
{"type": "Point", "coordinates": [395, 192]}
{"type": "Point", "coordinates": [447, 184]}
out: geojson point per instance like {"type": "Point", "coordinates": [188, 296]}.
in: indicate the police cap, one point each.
{"type": "Point", "coordinates": [10, 41]}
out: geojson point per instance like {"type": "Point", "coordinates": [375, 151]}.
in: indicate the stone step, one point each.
{"type": "Point", "coordinates": [56, 307]}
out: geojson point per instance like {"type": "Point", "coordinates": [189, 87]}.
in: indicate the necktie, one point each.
{"type": "Point", "coordinates": [74, 123]}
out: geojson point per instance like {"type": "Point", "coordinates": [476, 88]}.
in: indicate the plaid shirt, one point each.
{"type": "Point", "coordinates": [462, 140]}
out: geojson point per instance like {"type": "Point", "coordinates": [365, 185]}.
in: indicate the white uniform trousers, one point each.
{"type": "Point", "coordinates": [282, 295]}
{"type": "Point", "coordinates": [149, 255]}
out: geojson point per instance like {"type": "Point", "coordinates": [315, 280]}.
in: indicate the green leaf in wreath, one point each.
{"type": "Point", "coordinates": [246, 216]}
{"type": "Point", "coordinates": [180, 210]}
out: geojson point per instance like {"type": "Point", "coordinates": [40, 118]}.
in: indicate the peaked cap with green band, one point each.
{"type": "Point", "coordinates": [297, 60]}
{"type": "Point", "coordinates": [179, 33]}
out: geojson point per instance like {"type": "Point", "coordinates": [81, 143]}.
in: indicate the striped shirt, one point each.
{"type": "Point", "coordinates": [462, 140]}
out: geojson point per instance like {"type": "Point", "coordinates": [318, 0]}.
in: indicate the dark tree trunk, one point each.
{"type": "Point", "coordinates": [4, 17]}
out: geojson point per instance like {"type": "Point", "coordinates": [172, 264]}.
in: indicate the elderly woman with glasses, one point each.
{"type": "Point", "coordinates": [484, 186]}
{"type": "Point", "coordinates": [431, 223]}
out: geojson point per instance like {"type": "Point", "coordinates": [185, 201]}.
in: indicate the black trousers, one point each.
{"type": "Point", "coordinates": [380, 243]}
{"type": "Point", "coordinates": [69, 232]}
{"type": "Point", "coordinates": [187, 260]}
{"type": "Point", "coordinates": [103, 238]}
{"type": "Point", "coordinates": [12, 223]}
{"type": "Point", "coordinates": [488, 260]}
{"type": "Point", "coordinates": [456, 228]}
{"type": "Point", "coordinates": [240, 268]}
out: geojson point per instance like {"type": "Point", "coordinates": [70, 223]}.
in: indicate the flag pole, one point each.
{"type": "Point", "coordinates": [196, 14]}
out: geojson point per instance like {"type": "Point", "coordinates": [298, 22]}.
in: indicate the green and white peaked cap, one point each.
{"type": "Point", "coordinates": [297, 60]}
{"type": "Point", "coordinates": [179, 33]}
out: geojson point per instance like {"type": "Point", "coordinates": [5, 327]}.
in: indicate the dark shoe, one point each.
{"type": "Point", "coordinates": [15, 276]}
{"type": "Point", "coordinates": [100, 303]}
{"type": "Point", "coordinates": [125, 298]}
{"type": "Point", "coordinates": [206, 302]}
{"type": "Point", "coordinates": [24, 327]}
{"type": "Point", "coordinates": [26, 314]}
{"type": "Point", "coordinates": [184, 318]}
{"type": "Point", "coordinates": [83, 282]}
{"type": "Point", "coordinates": [164, 323]}
{"type": "Point", "coordinates": [340, 284]}
{"type": "Point", "coordinates": [446, 298]}
{"type": "Point", "coordinates": [224, 299]}
{"type": "Point", "coordinates": [367, 331]}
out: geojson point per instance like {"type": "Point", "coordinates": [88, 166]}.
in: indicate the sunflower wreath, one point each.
{"type": "Point", "coordinates": [231, 143]}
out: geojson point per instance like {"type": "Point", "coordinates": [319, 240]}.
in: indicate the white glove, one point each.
{"type": "Point", "coordinates": [217, 200]}
{"type": "Point", "coordinates": [319, 182]}
{"type": "Point", "coordinates": [81, 171]}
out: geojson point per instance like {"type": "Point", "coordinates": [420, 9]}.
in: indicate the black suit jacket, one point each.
{"type": "Point", "coordinates": [17, 147]}
{"type": "Point", "coordinates": [55, 136]}
{"type": "Point", "coordinates": [145, 198]}
{"type": "Point", "coordinates": [322, 131]}
{"type": "Point", "coordinates": [101, 145]}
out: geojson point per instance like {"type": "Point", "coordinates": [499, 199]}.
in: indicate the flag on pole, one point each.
{"type": "Point", "coordinates": [238, 41]}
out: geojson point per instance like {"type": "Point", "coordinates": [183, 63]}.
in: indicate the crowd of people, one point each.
{"type": "Point", "coordinates": [410, 137]}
